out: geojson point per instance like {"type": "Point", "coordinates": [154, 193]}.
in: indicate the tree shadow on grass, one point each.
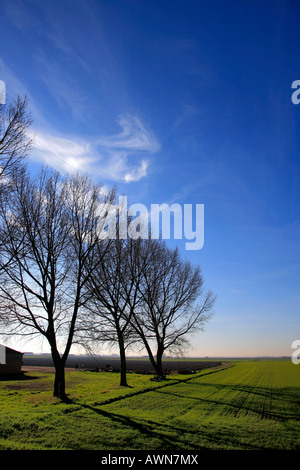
{"type": "Point", "coordinates": [171, 436]}
{"type": "Point", "coordinates": [150, 429]}
{"type": "Point", "coordinates": [168, 382]}
{"type": "Point", "coordinates": [174, 437]}
{"type": "Point", "coordinates": [20, 376]}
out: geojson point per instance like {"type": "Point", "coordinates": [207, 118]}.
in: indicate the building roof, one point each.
{"type": "Point", "coordinates": [10, 351]}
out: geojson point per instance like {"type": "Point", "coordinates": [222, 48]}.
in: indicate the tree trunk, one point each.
{"type": "Point", "coordinates": [156, 363]}
{"type": "Point", "coordinates": [59, 390]}
{"type": "Point", "coordinates": [59, 382]}
{"type": "Point", "coordinates": [159, 366]}
{"type": "Point", "coordinates": [123, 377]}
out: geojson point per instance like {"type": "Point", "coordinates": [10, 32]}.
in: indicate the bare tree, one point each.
{"type": "Point", "coordinates": [108, 318]}
{"type": "Point", "coordinates": [168, 302]}
{"type": "Point", "coordinates": [15, 139]}
{"type": "Point", "coordinates": [143, 292]}
{"type": "Point", "coordinates": [51, 227]}
{"type": "Point", "coordinates": [15, 143]}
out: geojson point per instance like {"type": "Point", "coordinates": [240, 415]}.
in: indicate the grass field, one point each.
{"type": "Point", "coordinates": [249, 405]}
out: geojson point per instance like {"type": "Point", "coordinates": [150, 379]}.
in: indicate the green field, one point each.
{"type": "Point", "coordinates": [249, 405]}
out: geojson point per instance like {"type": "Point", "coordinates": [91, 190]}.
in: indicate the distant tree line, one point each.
{"type": "Point", "coordinates": [63, 279]}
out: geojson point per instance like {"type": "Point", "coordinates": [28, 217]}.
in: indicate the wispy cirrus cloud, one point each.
{"type": "Point", "coordinates": [119, 157]}
{"type": "Point", "coordinates": [134, 136]}
{"type": "Point", "coordinates": [137, 173]}
{"type": "Point", "coordinates": [61, 153]}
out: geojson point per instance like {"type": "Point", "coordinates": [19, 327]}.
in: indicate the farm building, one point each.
{"type": "Point", "coordinates": [10, 361]}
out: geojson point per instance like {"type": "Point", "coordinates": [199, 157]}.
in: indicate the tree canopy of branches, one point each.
{"type": "Point", "coordinates": [51, 227]}
{"type": "Point", "coordinates": [15, 139]}
{"type": "Point", "coordinates": [167, 299]}
{"type": "Point", "coordinates": [15, 143]}
{"type": "Point", "coordinates": [144, 292]}
{"type": "Point", "coordinates": [107, 320]}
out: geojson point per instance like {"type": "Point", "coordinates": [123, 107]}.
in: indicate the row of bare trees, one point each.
{"type": "Point", "coordinates": [142, 291]}
{"type": "Point", "coordinates": [63, 280]}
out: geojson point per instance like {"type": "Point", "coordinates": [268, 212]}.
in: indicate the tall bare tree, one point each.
{"type": "Point", "coordinates": [107, 320]}
{"type": "Point", "coordinates": [51, 226]}
{"type": "Point", "coordinates": [168, 302]}
{"type": "Point", "coordinates": [15, 138]}
{"type": "Point", "coordinates": [15, 143]}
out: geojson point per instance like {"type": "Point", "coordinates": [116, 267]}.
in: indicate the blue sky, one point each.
{"type": "Point", "coordinates": [186, 102]}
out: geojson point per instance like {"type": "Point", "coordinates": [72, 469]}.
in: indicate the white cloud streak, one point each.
{"type": "Point", "coordinates": [119, 158]}
{"type": "Point", "coordinates": [134, 136]}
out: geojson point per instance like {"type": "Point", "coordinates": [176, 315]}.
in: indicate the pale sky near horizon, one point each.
{"type": "Point", "coordinates": [180, 102]}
